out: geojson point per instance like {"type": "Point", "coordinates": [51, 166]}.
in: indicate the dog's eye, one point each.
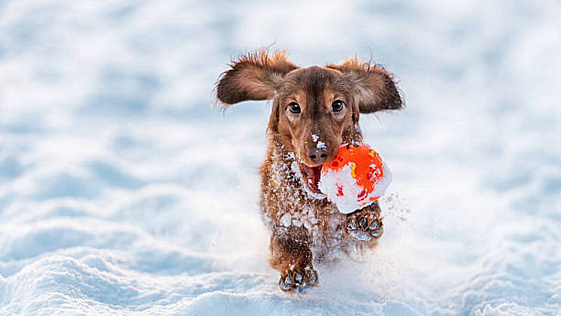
{"type": "Point", "coordinates": [337, 106]}
{"type": "Point", "coordinates": [294, 108]}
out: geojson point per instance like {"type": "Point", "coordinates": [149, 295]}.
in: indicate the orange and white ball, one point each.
{"type": "Point", "coordinates": [355, 178]}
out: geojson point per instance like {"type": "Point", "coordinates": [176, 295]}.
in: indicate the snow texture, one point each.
{"type": "Point", "coordinates": [123, 192]}
{"type": "Point", "coordinates": [351, 186]}
{"type": "Point", "coordinates": [347, 202]}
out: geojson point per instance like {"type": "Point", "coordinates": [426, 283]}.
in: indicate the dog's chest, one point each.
{"type": "Point", "coordinates": [288, 204]}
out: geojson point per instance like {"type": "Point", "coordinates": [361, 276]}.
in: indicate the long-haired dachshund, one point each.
{"type": "Point", "coordinates": [315, 110]}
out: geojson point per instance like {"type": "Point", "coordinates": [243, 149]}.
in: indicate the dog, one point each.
{"type": "Point", "coordinates": [315, 110]}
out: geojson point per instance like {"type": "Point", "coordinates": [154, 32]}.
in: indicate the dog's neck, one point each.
{"type": "Point", "coordinates": [286, 174]}
{"type": "Point", "coordinates": [353, 135]}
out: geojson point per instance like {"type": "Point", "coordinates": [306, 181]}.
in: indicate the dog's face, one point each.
{"type": "Point", "coordinates": [314, 116]}
{"type": "Point", "coordinates": [315, 109]}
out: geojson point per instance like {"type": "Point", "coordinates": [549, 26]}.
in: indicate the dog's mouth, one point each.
{"type": "Point", "coordinates": [311, 177]}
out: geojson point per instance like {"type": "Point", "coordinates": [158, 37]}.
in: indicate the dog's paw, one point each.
{"type": "Point", "coordinates": [298, 280]}
{"type": "Point", "coordinates": [364, 225]}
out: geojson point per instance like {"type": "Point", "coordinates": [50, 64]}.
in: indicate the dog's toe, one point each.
{"type": "Point", "coordinates": [375, 228]}
{"type": "Point", "coordinates": [311, 276]}
{"type": "Point", "coordinates": [285, 283]}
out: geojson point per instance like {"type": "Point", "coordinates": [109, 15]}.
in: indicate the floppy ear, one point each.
{"type": "Point", "coordinates": [375, 89]}
{"type": "Point", "coordinates": [254, 77]}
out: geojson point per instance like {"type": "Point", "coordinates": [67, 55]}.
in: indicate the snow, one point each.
{"type": "Point", "coordinates": [347, 200]}
{"type": "Point", "coordinates": [331, 181]}
{"type": "Point", "coordinates": [286, 220]}
{"type": "Point", "coordinates": [384, 182]}
{"type": "Point", "coordinates": [122, 191]}
{"type": "Point", "coordinates": [319, 143]}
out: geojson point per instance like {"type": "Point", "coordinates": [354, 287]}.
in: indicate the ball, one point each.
{"type": "Point", "coordinates": [355, 178]}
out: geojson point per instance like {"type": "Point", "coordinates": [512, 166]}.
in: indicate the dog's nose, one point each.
{"type": "Point", "coordinates": [317, 155]}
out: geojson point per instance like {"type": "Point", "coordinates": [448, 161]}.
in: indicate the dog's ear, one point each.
{"type": "Point", "coordinates": [375, 89]}
{"type": "Point", "coordinates": [254, 76]}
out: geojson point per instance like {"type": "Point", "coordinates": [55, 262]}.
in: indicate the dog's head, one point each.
{"type": "Point", "coordinates": [315, 109]}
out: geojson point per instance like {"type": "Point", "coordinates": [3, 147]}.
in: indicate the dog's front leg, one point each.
{"type": "Point", "coordinates": [365, 224]}
{"type": "Point", "coordinates": [292, 257]}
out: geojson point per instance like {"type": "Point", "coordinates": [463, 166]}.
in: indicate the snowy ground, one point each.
{"type": "Point", "coordinates": [123, 192]}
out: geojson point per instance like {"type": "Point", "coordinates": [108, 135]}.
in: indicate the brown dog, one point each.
{"type": "Point", "coordinates": [315, 111]}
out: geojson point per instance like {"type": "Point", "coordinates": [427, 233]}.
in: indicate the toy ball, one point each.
{"type": "Point", "coordinates": [355, 178]}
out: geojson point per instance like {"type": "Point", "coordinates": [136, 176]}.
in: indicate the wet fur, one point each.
{"type": "Point", "coordinates": [305, 227]}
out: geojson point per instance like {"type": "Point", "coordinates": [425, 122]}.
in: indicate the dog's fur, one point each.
{"type": "Point", "coordinates": [306, 128]}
